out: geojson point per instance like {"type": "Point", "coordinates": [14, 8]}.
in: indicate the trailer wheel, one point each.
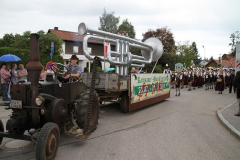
{"type": "Point", "coordinates": [81, 110]}
{"type": "Point", "coordinates": [1, 130]}
{"type": "Point", "coordinates": [47, 142]}
{"type": "Point", "coordinates": [124, 103]}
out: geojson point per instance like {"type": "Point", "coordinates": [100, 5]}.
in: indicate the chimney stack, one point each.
{"type": "Point", "coordinates": [55, 28]}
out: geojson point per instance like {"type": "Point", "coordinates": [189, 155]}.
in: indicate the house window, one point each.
{"type": "Point", "coordinates": [90, 50]}
{"type": "Point", "coordinates": [75, 49]}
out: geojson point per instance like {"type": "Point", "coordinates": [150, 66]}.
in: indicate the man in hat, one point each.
{"type": "Point", "coordinates": [71, 70]}
{"type": "Point", "coordinates": [167, 70]}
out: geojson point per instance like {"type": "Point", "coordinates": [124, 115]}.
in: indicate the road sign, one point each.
{"type": "Point", "coordinates": [52, 46]}
{"type": "Point", "coordinates": [51, 54]}
{"type": "Point", "coordinates": [178, 67]}
{"type": "Point", "coordinates": [49, 64]}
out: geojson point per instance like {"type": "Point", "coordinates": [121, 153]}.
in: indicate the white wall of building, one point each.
{"type": "Point", "coordinates": [237, 57]}
{"type": "Point", "coordinates": [82, 62]}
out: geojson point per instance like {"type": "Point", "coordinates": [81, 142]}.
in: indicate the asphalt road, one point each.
{"type": "Point", "coordinates": [184, 127]}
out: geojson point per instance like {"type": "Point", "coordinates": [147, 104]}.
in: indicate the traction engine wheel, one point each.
{"type": "Point", "coordinates": [47, 142]}
{"type": "Point", "coordinates": [1, 130]}
{"type": "Point", "coordinates": [81, 110]}
{"type": "Point", "coordinates": [124, 103]}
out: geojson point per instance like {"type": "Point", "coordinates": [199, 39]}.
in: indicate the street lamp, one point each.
{"type": "Point", "coordinates": [204, 57]}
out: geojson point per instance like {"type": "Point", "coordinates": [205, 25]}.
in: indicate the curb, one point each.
{"type": "Point", "coordinates": [229, 127]}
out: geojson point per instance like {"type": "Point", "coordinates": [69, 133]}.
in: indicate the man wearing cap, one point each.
{"type": "Point", "coordinates": [167, 70]}
{"type": "Point", "coordinates": [71, 70]}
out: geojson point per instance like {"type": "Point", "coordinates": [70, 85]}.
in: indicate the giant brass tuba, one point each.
{"type": "Point", "coordinates": [122, 58]}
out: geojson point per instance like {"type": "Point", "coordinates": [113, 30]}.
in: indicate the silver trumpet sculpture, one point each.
{"type": "Point", "coordinates": [122, 58]}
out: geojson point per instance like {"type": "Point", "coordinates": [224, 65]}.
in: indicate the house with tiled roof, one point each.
{"type": "Point", "coordinates": [213, 63]}
{"type": "Point", "coordinates": [73, 45]}
{"type": "Point", "coordinates": [228, 61]}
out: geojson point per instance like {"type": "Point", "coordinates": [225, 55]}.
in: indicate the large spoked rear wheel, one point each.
{"type": "Point", "coordinates": [124, 103]}
{"type": "Point", "coordinates": [1, 130]}
{"type": "Point", "coordinates": [47, 142]}
{"type": "Point", "coordinates": [81, 110]}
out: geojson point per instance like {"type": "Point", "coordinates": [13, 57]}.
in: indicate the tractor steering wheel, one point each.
{"type": "Point", "coordinates": [57, 69]}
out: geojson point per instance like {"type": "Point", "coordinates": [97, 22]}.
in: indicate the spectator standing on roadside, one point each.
{"type": "Point", "coordinates": [43, 74]}
{"type": "Point", "coordinates": [14, 73]}
{"type": "Point", "coordinates": [14, 79]}
{"type": "Point", "coordinates": [5, 75]}
{"type": "Point", "coordinates": [9, 85]}
{"type": "Point", "coordinates": [22, 73]}
{"type": "Point", "coordinates": [236, 83]}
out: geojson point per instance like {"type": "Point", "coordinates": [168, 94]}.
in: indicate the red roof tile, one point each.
{"type": "Point", "coordinates": [66, 35]}
{"type": "Point", "coordinates": [228, 62]}
{"type": "Point", "coordinates": [72, 36]}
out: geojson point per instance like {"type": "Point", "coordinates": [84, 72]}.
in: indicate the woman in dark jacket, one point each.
{"type": "Point", "coordinates": [220, 83]}
{"type": "Point", "coordinates": [236, 84]}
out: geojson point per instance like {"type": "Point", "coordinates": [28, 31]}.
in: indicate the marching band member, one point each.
{"type": "Point", "coordinates": [185, 73]}
{"type": "Point", "coordinates": [177, 82]}
{"type": "Point", "coordinates": [220, 82]}
{"type": "Point", "coordinates": [195, 79]}
{"type": "Point", "coordinates": [211, 79]}
{"type": "Point", "coordinates": [181, 80]}
{"type": "Point", "coordinates": [190, 78]}
{"type": "Point", "coordinates": [206, 75]}
{"type": "Point", "coordinates": [173, 76]}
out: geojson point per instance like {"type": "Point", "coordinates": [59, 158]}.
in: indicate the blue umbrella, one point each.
{"type": "Point", "coordinates": [109, 69]}
{"type": "Point", "coordinates": [9, 58]}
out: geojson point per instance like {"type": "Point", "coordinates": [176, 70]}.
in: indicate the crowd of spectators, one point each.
{"type": "Point", "coordinates": [11, 76]}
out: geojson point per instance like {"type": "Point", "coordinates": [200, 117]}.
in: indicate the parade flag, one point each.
{"type": "Point", "coordinates": [107, 49]}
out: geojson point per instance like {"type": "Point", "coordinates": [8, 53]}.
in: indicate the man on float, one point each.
{"type": "Point", "coordinates": [71, 70]}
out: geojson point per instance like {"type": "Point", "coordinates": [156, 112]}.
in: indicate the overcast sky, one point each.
{"type": "Point", "coordinates": [207, 22]}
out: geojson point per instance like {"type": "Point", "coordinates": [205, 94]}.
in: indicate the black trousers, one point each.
{"type": "Point", "coordinates": [61, 79]}
{"type": "Point", "coordinates": [230, 87]}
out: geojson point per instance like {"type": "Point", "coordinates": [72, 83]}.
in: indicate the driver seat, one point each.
{"type": "Point", "coordinates": [49, 76]}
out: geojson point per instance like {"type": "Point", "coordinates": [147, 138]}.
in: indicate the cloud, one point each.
{"type": "Point", "coordinates": [207, 22]}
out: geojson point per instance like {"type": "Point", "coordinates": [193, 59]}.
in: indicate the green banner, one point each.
{"type": "Point", "coordinates": [144, 86]}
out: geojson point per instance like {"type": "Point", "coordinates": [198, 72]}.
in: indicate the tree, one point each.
{"type": "Point", "coordinates": [234, 37]}
{"type": "Point", "coordinates": [127, 27]}
{"type": "Point", "coordinates": [186, 53]}
{"type": "Point", "coordinates": [108, 22]}
{"type": "Point", "coordinates": [45, 47]}
{"type": "Point", "coordinates": [8, 40]}
{"type": "Point", "coordinates": [197, 59]}
{"type": "Point", "coordinates": [20, 45]}
{"type": "Point", "coordinates": [23, 41]}
{"type": "Point", "coordinates": [165, 36]}
{"type": "Point", "coordinates": [169, 58]}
